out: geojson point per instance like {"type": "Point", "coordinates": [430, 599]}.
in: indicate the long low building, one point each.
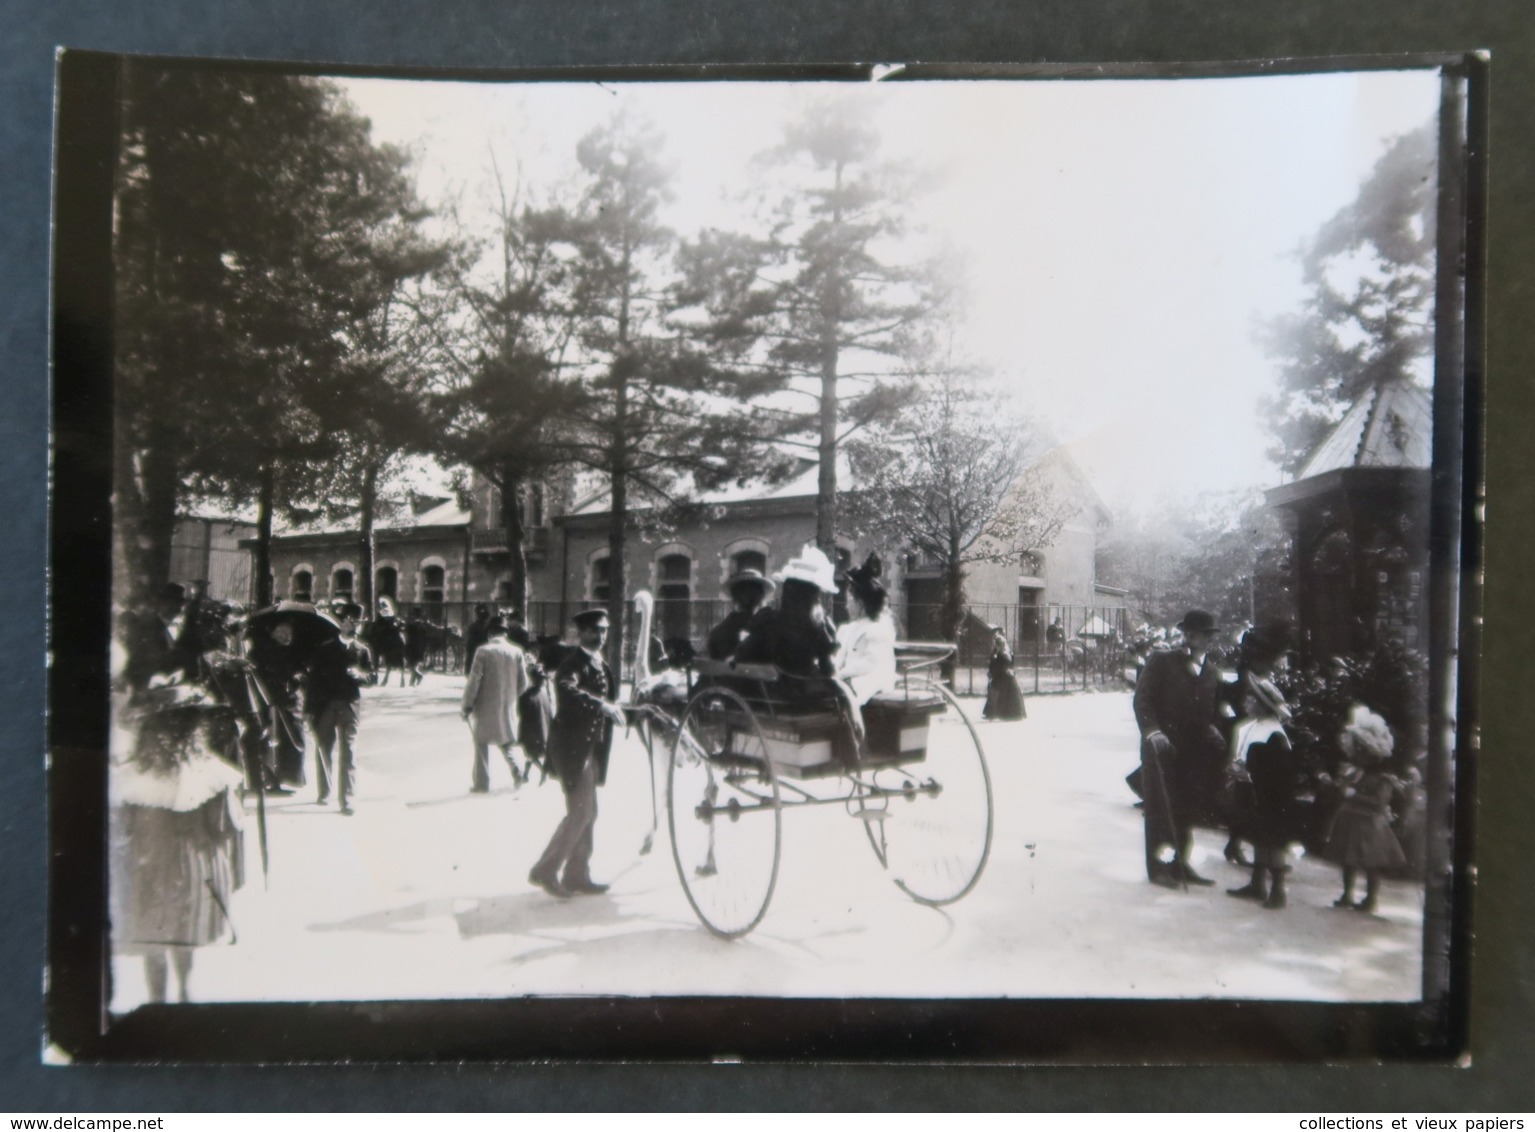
{"type": "Point", "coordinates": [447, 558]}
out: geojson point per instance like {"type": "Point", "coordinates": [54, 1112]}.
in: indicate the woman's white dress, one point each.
{"type": "Point", "coordinates": [866, 656]}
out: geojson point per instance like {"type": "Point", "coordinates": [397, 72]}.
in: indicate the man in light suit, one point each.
{"type": "Point", "coordinates": [497, 677]}
{"type": "Point", "coordinates": [580, 738]}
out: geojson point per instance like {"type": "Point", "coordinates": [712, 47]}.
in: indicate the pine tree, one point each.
{"type": "Point", "coordinates": [1368, 318]}
{"type": "Point", "coordinates": [820, 303]}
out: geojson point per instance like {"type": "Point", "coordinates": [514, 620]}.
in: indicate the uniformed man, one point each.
{"type": "Point", "coordinates": [580, 738]}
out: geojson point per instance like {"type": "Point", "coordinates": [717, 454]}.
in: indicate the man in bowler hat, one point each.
{"type": "Point", "coordinates": [748, 590]}
{"type": "Point", "coordinates": [1181, 746]}
{"type": "Point", "coordinates": [580, 738]}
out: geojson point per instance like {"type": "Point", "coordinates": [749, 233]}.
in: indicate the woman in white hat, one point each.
{"type": "Point", "coordinates": [797, 636]}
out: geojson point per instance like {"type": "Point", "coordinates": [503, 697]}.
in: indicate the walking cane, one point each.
{"type": "Point", "coordinates": [1167, 808]}
{"type": "Point", "coordinates": [258, 694]}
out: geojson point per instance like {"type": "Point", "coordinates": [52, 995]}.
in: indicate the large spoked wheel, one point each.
{"type": "Point", "coordinates": [724, 813]}
{"type": "Point", "coordinates": [930, 821]}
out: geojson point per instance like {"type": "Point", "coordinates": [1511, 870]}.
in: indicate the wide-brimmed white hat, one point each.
{"type": "Point", "coordinates": [1366, 736]}
{"type": "Point", "coordinates": [811, 566]}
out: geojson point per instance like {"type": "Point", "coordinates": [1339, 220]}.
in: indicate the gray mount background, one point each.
{"type": "Point", "coordinates": [518, 33]}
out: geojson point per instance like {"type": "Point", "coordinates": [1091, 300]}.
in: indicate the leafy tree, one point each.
{"type": "Point", "coordinates": [959, 482]}
{"type": "Point", "coordinates": [1368, 317]}
{"type": "Point", "coordinates": [501, 329]}
{"type": "Point", "coordinates": [247, 207]}
{"type": "Point", "coordinates": [374, 403]}
{"type": "Point", "coordinates": [1225, 552]}
{"type": "Point", "coordinates": [819, 302]}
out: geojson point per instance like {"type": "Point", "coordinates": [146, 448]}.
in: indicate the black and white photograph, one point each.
{"type": "Point", "coordinates": [946, 537]}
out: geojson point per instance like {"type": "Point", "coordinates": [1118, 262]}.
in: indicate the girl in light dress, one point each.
{"type": "Point", "coordinates": [1361, 839]}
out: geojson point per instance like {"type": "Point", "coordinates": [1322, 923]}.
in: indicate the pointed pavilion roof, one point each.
{"type": "Point", "coordinates": [1391, 426]}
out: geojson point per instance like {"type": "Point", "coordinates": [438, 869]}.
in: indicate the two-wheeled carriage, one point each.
{"type": "Point", "coordinates": [752, 743]}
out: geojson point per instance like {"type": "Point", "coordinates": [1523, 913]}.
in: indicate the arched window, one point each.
{"type": "Point", "coordinates": [301, 586]}
{"type": "Point", "coordinates": [674, 593]}
{"type": "Point", "coordinates": [341, 586]}
{"type": "Point", "coordinates": [386, 583]}
{"type": "Point", "coordinates": [748, 560]}
{"type": "Point", "coordinates": [599, 578]}
{"type": "Point", "coordinates": [432, 591]}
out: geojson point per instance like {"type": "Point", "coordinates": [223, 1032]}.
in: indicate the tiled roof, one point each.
{"type": "Point", "coordinates": [1391, 426]}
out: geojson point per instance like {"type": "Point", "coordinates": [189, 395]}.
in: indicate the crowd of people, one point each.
{"type": "Point", "coordinates": [1215, 751]}
{"type": "Point", "coordinates": [212, 705]}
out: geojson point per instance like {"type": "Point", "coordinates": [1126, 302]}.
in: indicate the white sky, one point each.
{"type": "Point", "coordinates": [1122, 237]}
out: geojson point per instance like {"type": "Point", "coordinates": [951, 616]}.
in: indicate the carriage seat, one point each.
{"type": "Point", "coordinates": [802, 720]}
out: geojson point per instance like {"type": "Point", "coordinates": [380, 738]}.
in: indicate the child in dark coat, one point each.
{"type": "Point", "coordinates": [1361, 838]}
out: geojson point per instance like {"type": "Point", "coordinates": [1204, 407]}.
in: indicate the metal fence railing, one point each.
{"type": "Point", "coordinates": [1056, 648]}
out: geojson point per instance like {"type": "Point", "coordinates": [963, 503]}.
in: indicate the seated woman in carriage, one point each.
{"type": "Point", "coordinates": [848, 666]}
{"type": "Point", "coordinates": [866, 644]}
{"type": "Point", "coordinates": [796, 637]}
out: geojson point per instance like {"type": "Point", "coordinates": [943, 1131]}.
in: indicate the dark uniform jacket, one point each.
{"type": "Point", "coordinates": [580, 730]}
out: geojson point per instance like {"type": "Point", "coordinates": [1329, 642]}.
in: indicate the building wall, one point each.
{"type": "Point", "coordinates": [410, 554]}
{"type": "Point", "coordinates": [777, 529]}
{"type": "Point", "coordinates": [778, 532]}
{"type": "Point", "coordinates": [322, 556]}
{"type": "Point", "coordinates": [209, 550]}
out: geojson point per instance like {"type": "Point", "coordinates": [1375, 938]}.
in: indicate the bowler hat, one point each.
{"type": "Point", "coordinates": [1197, 621]}
{"type": "Point", "coordinates": [748, 578]}
{"type": "Point", "coordinates": [591, 618]}
{"type": "Point", "coordinates": [174, 591]}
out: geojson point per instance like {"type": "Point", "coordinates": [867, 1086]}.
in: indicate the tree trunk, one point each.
{"type": "Point", "coordinates": [831, 318]}
{"type": "Point", "coordinates": [160, 482]}
{"type": "Point", "coordinates": [516, 538]}
{"type": "Point", "coordinates": [618, 516]}
{"type": "Point", "coordinates": [368, 501]}
{"type": "Point", "coordinates": [952, 614]}
{"type": "Point", "coordinates": [262, 559]}
{"type": "Point", "coordinates": [617, 539]}
{"type": "Point", "coordinates": [826, 480]}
